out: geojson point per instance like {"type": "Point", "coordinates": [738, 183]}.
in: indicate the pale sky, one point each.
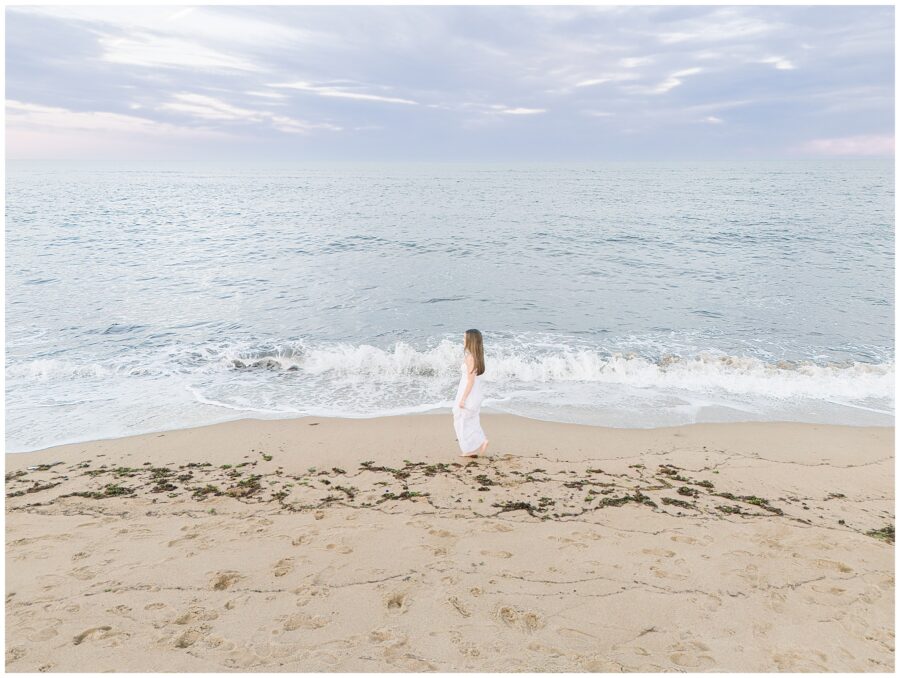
{"type": "Point", "coordinates": [449, 83]}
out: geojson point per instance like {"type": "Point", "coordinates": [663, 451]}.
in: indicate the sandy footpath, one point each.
{"type": "Point", "coordinates": [322, 544]}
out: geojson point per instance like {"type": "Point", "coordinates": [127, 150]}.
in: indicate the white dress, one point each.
{"type": "Point", "coordinates": [467, 421]}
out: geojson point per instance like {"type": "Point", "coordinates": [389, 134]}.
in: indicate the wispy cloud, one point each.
{"type": "Point", "coordinates": [211, 108]}
{"type": "Point", "coordinates": [155, 51]}
{"type": "Point", "coordinates": [634, 62]}
{"type": "Point", "coordinates": [779, 63]}
{"type": "Point", "coordinates": [523, 111]}
{"type": "Point", "coordinates": [721, 25]}
{"type": "Point", "coordinates": [20, 114]}
{"type": "Point", "coordinates": [488, 109]}
{"type": "Point", "coordinates": [342, 93]}
{"type": "Point", "coordinates": [671, 82]}
{"type": "Point", "coordinates": [208, 108]}
{"type": "Point", "coordinates": [605, 78]}
{"type": "Point", "coordinates": [38, 131]}
{"type": "Point", "coordinates": [220, 26]}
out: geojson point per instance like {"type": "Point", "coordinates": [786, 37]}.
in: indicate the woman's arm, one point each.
{"type": "Point", "coordinates": [470, 381]}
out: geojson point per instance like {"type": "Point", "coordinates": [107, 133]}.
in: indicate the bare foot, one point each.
{"type": "Point", "coordinates": [483, 447]}
{"type": "Point", "coordinates": [470, 456]}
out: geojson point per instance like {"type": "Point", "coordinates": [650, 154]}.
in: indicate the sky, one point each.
{"type": "Point", "coordinates": [462, 84]}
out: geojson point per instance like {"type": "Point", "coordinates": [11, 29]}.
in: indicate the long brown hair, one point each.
{"type": "Point", "coordinates": [475, 346]}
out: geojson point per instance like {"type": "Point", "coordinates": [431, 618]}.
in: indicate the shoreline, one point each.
{"type": "Point", "coordinates": [444, 412]}
{"type": "Point", "coordinates": [321, 544]}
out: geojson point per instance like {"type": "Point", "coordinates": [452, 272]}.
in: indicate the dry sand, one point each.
{"type": "Point", "coordinates": [367, 545]}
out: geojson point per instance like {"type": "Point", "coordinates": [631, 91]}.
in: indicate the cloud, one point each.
{"type": "Point", "coordinates": [780, 63]}
{"type": "Point", "coordinates": [577, 76]}
{"type": "Point", "coordinates": [670, 83]}
{"type": "Point", "coordinates": [523, 111]}
{"type": "Point", "coordinates": [208, 108]}
{"type": "Point", "coordinates": [634, 62]}
{"type": "Point", "coordinates": [21, 114]}
{"type": "Point", "coordinates": [719, 105]}
{"type": "Point", "coordinates": [489, 109]}
{"type": "Point", "coordinates": [328, 91]}
{"type": "Point", "coordinates": [608, 77]}
{"type": "Point", "coordinates": [721, 25]}
{"type": "Point", "coordinates": [156, 51]}
{"type": "Point", "coordinates": [37, 131]}
{"type": "Point", "coordinates": [227, 28]}
{"type": "Point", "coordinates": [265, 95]}
{"type": "Point", "coordinates": [211, 108]}
{"type": "Point", "coordinates": [868, 145]}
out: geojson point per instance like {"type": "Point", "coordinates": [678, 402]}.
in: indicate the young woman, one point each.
{"type": "Point", "coordinates": [469, 395]}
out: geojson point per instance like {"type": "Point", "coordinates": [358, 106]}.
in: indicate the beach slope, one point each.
{"type": "Point", "coordinates": [322, 544]}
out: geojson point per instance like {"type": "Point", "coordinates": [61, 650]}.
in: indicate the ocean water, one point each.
{"type": "Point", "coordinates": [150, 296]}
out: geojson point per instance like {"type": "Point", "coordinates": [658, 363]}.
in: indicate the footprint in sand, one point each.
{"type": "Point", "coordinates": [664, 574]}
{"type": "Point", "coordinates": [187, 537]}
{"type": "Point", "coordinates": [685, 539]}
{"type": "Point", "coordinates": [665, 553]}
{"type": "Point", "coordinates": [396, 602]}
{"type": "Point", "coordinates": [380, 635]}
{"type": "Point", "coordinates": [497, 554]}
{"type": "Point", "coordinates": [47, 632]}
{"type": "Point", "coordinates": [305, 594]}
{"type": "Point", "coordinates": [96, 633]}
{"type": "Point", "coordinates": [601, 665]}
{"type": "Point", "coordinates": [691, 655]}
{"type": "Point", "coordinates": [283, 566]}
{"type": "Point", "coordinates": [300, 621]}
{"type": "Point", "coordinates": [458, 606]}
{"type": "Point", "coordinates": [195, 614]}
{"type": "Point", "coordinates": [83, 573]}
{"type": "Point", "coordinates": [871, 595]}
{"type": "Point", "coordinates": [775, 601]}
{"type": "Point", "coordinates": [14, 654]}
{"type": "Point", "coordinates": [829, 589]}
{"type": "Point", "coordinates": [188, 638]}
{"type": "Point", "coordinates": [223, 580]}
{"type": "Point", "coordinates": [441, 533]}
{"type": "Point", "coordinates": [801, 661]}
{"type": "Point", "coordinates": [750, 574]}
{"type": "Point", "coordinates": [339, 548]}
{"type": "Point", "coordinates": [825, 564]}
{"type": "Point", "coordinates": [520, 619]}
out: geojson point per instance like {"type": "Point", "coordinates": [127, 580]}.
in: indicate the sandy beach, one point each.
{"type": "Point", "coordinates": [320, 544]}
